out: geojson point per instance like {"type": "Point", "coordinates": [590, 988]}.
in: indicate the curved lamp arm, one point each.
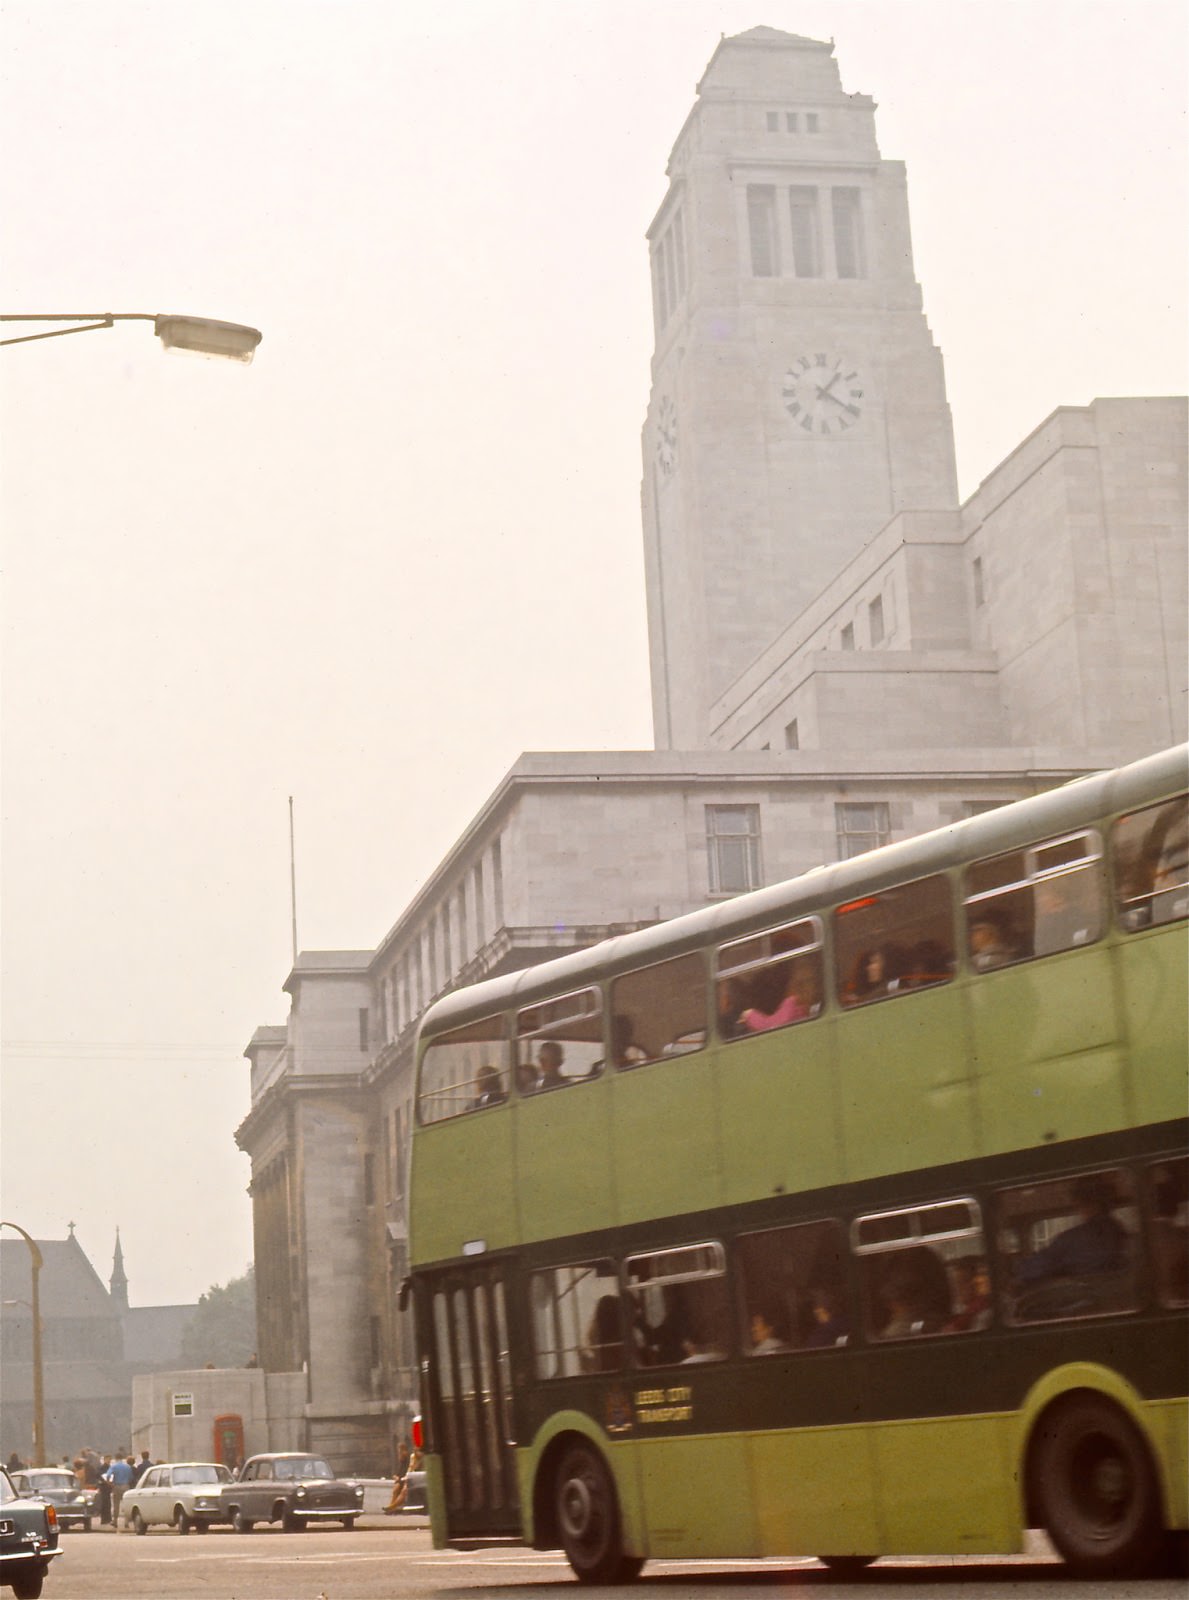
{"type": "Point", "coordinates": [233, 341]}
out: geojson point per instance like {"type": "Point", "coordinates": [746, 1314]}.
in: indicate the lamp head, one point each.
{"type": "Point", "coordinates": [230, 340]}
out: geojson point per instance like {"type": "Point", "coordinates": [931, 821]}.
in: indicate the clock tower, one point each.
{"type": "Point", "coordinates": [798, 399]}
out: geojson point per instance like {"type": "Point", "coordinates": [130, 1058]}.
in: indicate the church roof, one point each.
{"type": "Point", "coordinates": [68, 1286]}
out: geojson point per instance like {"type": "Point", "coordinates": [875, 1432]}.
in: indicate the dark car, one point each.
{"type": "Point", "coordinates": [75, 1506]}
{"type": "Point", "coordinates": [28, 1540]}
{"type": "Point", "coordinates": [293, 1488]}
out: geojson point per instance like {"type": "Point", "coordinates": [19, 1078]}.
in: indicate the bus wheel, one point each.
{"type": "Point", "coordinates": [588, 1518]}
{"type": "Point", "coordinates": [846, 1567]}
{"type": "Point", "coordinates": [1096, 1488]}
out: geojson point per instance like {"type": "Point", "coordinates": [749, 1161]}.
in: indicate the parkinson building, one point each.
{"type": "Point", "coordinates": [842, 654]}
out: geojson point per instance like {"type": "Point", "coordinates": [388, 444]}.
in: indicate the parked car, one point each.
{"type": "Point", "coordinates": [291, 1488]}
{"type": "Point", "coordinates": [180, 1494]}
{"type": "Point", "coordinates": [28, 1540]}
{"type": "Point", "coordinates": [59, 1486]}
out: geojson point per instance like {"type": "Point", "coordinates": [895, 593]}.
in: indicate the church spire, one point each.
{"type": "Point", "coordinates": [118, 1282]}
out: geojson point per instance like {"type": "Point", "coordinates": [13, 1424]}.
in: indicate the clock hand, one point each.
{"type": "Point", "coordinates": [825, 394]}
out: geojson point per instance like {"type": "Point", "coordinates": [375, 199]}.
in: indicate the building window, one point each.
{"type": "Point", "coordinates": [803, 217]}
{"type": "Point", "coordinates": [363, 1027]}
{"type": "Point", "coordinates": [761, 221]}
{"type": "Point", "coordinates": [374, 1331]}
{"type": "Point", "coordinates": [480, 913]}
{"type": "Point", "coordinates": [772, 118]}
{"type": "Point", "coordinates": [790, 121]}
{"type": "Point", "coordinates": [668, 270]}
{"type": "Point", "coordinates": [860, 826]}
{"type": "Point", "coordinates": [369, 1180]}
{"type": "Point", "coordinates": [733, 848]}
{"type": "Point", "coordinates": [976, 808]}
{"type": "Point", "coordinates": [846, 639]}
{"type": "Point", "coordinates": [976, 573]}
{"type": "Point", "coordinates": [875, 619]}
{"type": "Point", "coordinates": [497, 882]}
{"type": "Point", "coordinates": [811, 122]}
{"type": "Point", "coordinates": [792, 738]}
{"type": "Point", "coordinates": [463, 945]}
{"type": "Point", "coordinates": [849, 255]}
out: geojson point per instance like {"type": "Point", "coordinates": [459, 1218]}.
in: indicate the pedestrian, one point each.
{"type": "Point", "coordinates": [119, 1476]}
{"type": "Point", "coordinates": [104, 1488]}
{"type": "Point", "coordinates": [141, 1467]}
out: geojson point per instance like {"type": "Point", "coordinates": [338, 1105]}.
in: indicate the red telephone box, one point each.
{"type": "Point", "coordinates": [229, 1440]}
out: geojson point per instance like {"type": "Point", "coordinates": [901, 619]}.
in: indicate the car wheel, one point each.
{"type": "Point", "coordinates": [201, 1526]}
{"type": "Point", "coordinates": [139, 1525]}
{"type": "Point", "coordinates": [182, 1520]}
{"type": "Point", "coordinates": [588, 1519]}
{"type": "Point", "coordinates": [348, 1523]}
{"type": "Point", "coordinates": [1096, 1488]}
{"type": "Point", "coordinates": [26, 1582]}
{"type": "Point", "coordinates": [291, 1522]}
{"type": "Point", "coordinates": [240, 1523]}
{"type": "Point", "coordinates": [86, 1524]}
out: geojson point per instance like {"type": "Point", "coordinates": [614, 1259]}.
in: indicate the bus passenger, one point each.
{"type": "Point", "coordinates": [768, 1326]}
{"type": "Point", "coordinates": [730, 1004]}
{"type": "Point", "coordinates": [830, 1327]}
{"type": "Point", "coordinates": [988, 947]}
{"type": "Point", "coordinates": [603, 1351]}
{"type": "Point", "coordinates": [1099, 1243]}
{"type": "Point", "coordinates": [625, 1052]}
{"type": "Point", "coordinates": [791, 1008]}
{"type": "Point", "coordinates": [546, 1074]}
{"type": "Point", "coordinates": [972, 1295]}
{"type": "Point", "coordinates": [487, 1082]}
{"type": "Point", "coordinates": [871, 979]}
{"type": "Point", "coordinates": [1066, 913]}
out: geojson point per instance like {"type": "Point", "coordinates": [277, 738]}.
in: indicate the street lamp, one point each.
{"type": "Point", "coordinates": [230, 340]}
{"type": "Point", "coordinates": [35, 1262]}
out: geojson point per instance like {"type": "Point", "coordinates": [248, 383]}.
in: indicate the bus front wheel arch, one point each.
{"type": "Point", "coordinates": [586, 1516]}
{"type": "Point", "coordinates": [1093, 1487]}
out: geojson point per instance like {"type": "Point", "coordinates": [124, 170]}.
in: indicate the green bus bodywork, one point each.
{"type": "Point", "coordinates": [925, 1447]}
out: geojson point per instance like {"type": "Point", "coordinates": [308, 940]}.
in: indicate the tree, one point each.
{"type": "Point", "coordinates": [222, 1330]}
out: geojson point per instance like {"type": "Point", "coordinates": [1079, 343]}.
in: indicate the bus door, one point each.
{"type": "Point", "coordinates": [470, 1397]}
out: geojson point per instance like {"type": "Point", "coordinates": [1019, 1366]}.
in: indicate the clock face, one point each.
{"type": "Point", "coordinates": [666, 435]}
{"type": "Point", "coordinates": [823, 394]}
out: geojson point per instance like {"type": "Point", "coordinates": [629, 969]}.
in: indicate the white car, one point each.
{"type": "Point", "coordinates": [180, 1494]}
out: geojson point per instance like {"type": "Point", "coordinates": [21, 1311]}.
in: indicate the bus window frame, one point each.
{"type": "Point", "coordinates": [669, 1052]}
{"type": "Point", "coordinates": [721, 975]}
{"type": "Point", "coordinates": [551, 1030]}
{"type": "Point", "coordinates": [503, 1043]}
{"type": "Point", "coordinates": [1034, 872]}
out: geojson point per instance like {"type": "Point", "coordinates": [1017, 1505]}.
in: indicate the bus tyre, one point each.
{"type": "Point", "coordinates": [588, 1519]}
{"type": "Point", "coordinates": [1096, 1488]}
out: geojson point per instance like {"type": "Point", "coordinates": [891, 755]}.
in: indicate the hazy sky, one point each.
{"type": "Point", "coordinates": [405, 544]}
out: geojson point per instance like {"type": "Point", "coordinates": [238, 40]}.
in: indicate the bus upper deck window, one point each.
{"type": "Point", "coordinates": [1151, 865]}
{"type": "Point", "coordinates": [894, 942]}
{"type": "Point", "coordinates": [769, 980]}
{"type": "Point", "coordinates": [1034, 902]}
{"type": "Point", "coordinates": [464, 1070]}
{"type": "Point", "coordinates": [559, 1042]}
{"type": "Point", "coordinates": [658, 1012]}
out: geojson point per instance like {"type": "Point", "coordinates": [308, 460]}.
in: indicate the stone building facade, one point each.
{"type": "Point", "coordinates": [841, 655]}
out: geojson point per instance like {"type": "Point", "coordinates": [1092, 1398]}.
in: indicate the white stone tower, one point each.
{"type": "Point", "coordinates": [798, 400]}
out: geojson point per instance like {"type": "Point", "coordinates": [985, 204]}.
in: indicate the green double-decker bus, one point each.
{"type": "Point", "coordinates": [847, 1218]}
